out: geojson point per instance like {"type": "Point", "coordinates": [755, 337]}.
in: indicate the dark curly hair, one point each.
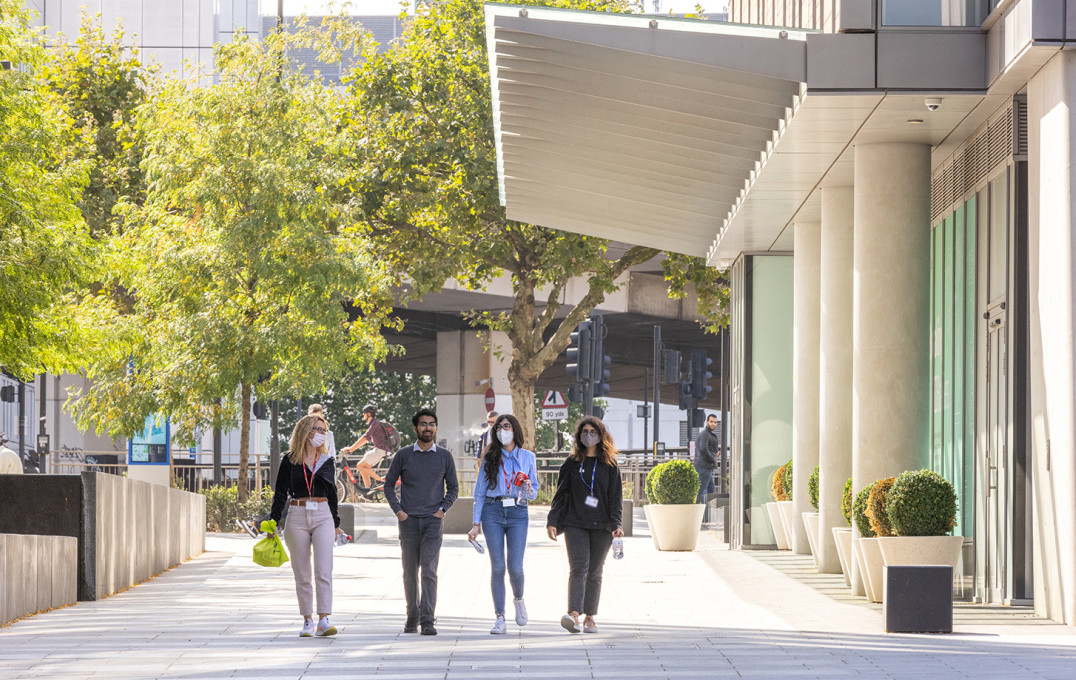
{"type": "Point", "coordinates": [494, 450]}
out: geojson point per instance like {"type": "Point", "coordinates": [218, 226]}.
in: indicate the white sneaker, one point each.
{"type": "Point", "coordinates": [308, 628]}
{"type": "Point", "coordinates": [325, 628]}
{"type": "Point", "coordinates": [521, 612]}
{"type": "Point", "coordinates": [498, 627]}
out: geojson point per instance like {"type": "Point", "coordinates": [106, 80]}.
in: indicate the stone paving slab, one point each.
{"type": "Point", "coordinates": [713, 613]}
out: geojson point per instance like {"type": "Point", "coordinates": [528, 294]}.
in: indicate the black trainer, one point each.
{"type": "Point", "coordinates": [428, 629]}
{"type": "Point", "coordinates": [411, 626]}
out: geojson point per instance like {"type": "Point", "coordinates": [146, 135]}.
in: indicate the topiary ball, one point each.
{"type": "Point", "coordinates": [777, 484]}
{"type": "Point", "coordinates": [675, 483]}
{"type": "Point", "coordinates": [787, 481]}
{"type": "Point", "coordinates": [846, 502]}
{"type": "Point", "coordinates": [876, 513]}
{"type": "Point", "coordinates": [859, 512]}
{"type": "Point", "coordinates": [921, 503]}
{"type": "Point", "coordinates": [649, 486]}
{"type": "Point", "coordinates": [812, 487]}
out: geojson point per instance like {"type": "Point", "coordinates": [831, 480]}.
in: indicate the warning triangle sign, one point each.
{"type": "Point", "coordinates": [554, 399]}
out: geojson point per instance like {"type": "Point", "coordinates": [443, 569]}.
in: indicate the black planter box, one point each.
{"type": "Point", "coordinates": [918, 599]}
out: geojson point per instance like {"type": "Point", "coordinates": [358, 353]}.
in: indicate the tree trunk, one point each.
{"type": "Point", "coordinates": [244, 439]}
{"type": "Point", "coordinates": [523, 405]}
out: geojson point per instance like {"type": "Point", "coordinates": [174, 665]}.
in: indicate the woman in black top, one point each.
{"type": "Point", "coordinates": [587, 510]}
{"type": "Point", "coordinates": [307, 475]}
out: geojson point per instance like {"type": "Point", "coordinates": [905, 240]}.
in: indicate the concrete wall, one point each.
{"type": "Point", "coordinates": [37, 573]}
{"type": "Point", "coordinates": [127, 531]}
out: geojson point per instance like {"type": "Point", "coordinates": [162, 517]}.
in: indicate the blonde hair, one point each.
{"type": "Point", "coordinates": [301, 434]}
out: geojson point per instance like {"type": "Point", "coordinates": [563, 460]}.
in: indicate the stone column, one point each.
{"type": "Point", "coordinates": [1051, 116]}
{"type": "Point", "coordinates": [890, 312]}
{"type": "Point", "coordinates": [835, 370]}
{"type": "Point", "coordinates": [465, 358]}
{"type": "Point", "coordinates": [805, 320]}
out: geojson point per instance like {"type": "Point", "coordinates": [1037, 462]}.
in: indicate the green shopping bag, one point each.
{"type": "Point", "coordinates": [269, 552]}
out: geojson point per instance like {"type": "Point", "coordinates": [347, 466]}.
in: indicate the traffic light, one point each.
{"type": "Point", "coordinates": [599, 371]}
{"type": "Point", "coordinates": [683, 389]}
{"type": "Point", "coordinates": [700, 374]}
{"type": "Point", "coordinates": [579, 353]}
{"type": "Point", "coordinates": [575, 394]}
{"type": "Point", "coordinates": [7, 393]}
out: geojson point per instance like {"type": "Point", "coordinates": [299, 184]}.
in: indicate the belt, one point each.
{"type": "Point", "coordinates": [303, 501]}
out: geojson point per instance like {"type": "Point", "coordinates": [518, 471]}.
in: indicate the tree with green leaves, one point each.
{"type": "Point", "coordinates": [247, 272]}
{"type": "Point", "coordinates": [45, 250]}
{"type": "Point", "coordinates": [426, 179]}
{"type": "Point", "coordinates": [101, 83]}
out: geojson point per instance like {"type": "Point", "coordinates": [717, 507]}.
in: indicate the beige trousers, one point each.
{"type": "Point", "coordinates": [308, 529]}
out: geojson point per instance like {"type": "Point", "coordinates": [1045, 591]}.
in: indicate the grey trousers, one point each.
{"type": "Point", "coordinates": [420, 548]}
{"type": "Point", "coordinates": [587, 549]}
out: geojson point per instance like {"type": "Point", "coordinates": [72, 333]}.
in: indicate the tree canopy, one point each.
{"type": "Point", "coordinates": [246, 268]}
{"type": "Point", "coordinates": [45, 250]}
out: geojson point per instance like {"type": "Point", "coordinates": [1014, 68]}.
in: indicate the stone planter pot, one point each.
{"type": "Point", "coordinates": [778, 526]}
{"type": "Point", "coordinates": [843, 539]}
{"type": "Point", "coordinates": [873, 568]}
{"type": "Point", "coordinates": [921, 550]}
{"type": "Point", "coordinates": [788, 519]}
{"type": "Point", "coordinates": [810, 524]}
{"type": "Point", "coordinates": [675, 527]}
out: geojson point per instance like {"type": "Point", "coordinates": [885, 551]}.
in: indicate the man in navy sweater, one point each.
{"type": "Point", "coordinates": [428, 488]}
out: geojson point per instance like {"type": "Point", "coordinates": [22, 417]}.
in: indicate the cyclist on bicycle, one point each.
{"type": "Point", "coordinates": [379, 438]}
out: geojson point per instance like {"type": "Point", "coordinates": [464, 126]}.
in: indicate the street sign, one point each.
{"type": "Point", "coordinates": [491, 399]}
{"type": "Point", "coordinates": [554, 407]}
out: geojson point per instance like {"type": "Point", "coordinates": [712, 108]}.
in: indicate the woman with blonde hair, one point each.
{"type": "Point", "coordinates": [306, 480]}
{"type": "Point", "coordinates": [586, 508]}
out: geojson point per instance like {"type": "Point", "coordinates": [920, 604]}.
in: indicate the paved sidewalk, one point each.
{"type": "Point", "coordinates": [713, 613]}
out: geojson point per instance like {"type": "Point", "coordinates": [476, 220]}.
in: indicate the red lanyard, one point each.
{"type": "Point", "coordinates": [507, 488]}
{"type": "Point", "coordinates": [310, 482]}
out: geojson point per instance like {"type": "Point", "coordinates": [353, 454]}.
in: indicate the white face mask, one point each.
{"type": "Point", "coordinates": [317, 440]}
{"type": "Point", "coordinates": [506, 436]}
{"type": "Point", "coordinates": [589, 438]}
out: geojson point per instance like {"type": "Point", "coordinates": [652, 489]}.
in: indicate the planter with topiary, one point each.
{"type": "Point", "coordinates": [842, 536]}
{"type": "Point", "coordinates": [810, 519]}
{"type": "Point", "coordinates": [866, 547]}
{"type": "Point", "coordinates": [773, 509]}
{"type": "Point", "coordinates": [785, 507]}
{"type": "Point", "coordinates": [671, 511]}
{"type": "Point", "coordinates": [921, 509]}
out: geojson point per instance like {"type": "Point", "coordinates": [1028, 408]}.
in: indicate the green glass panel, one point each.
{"type": "Point", "coordinates": [955, 468]}
{"type": "Point", "coordinates": [966, 491]}
{"type": "Point", "coordinates": [937, 342]}
{"type": "Point", "coordinates": [947, 347]}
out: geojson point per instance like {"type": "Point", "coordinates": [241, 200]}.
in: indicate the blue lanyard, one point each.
{"type": "Point", "coordinates": [592, 473]}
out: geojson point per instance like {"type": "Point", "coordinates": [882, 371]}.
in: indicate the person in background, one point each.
{"type": "Point", "coordinates": [507, 481]}
{"type": "Point", "coordinates": [428, 488]}
{"type": "Point", "coordinates": [487, 434]}
{"type": "Point", "coordinates": [587, 509]}
{"type": "Point", "coordinates": [306, 482]}
{"type": "Point", "coordinates": [330, 440]}
{"type": "Point", "coordinates": [379, 437]}
{"type": "Point", "coordinates": [706, 447]}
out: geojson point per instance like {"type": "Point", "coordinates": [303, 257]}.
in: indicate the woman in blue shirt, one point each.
{"type": "Point", "coordinates": [507, 481]}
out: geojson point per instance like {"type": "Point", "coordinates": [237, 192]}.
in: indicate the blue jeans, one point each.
{"type": "Point", "coordinates": [505, 527]}
{"type": "Point", "coordinates": [706, 483]}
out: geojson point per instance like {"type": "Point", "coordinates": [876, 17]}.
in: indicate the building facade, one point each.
{"type": "Point", "coordinates": [889, 185]}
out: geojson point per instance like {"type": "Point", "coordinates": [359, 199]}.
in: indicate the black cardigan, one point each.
{"type": "Point", "coordinates": [569, 507]}
{"type": "Point", "coordinates": [290, 481]}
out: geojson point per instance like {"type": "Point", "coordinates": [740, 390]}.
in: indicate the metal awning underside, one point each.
{"type": "Point", "coordinates": [648, 130]}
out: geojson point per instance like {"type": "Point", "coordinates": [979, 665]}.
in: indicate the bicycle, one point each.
{"type": "Point", "coordinates": [349, 487]}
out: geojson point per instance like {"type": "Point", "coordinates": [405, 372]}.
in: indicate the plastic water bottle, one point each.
{"type": "Point", "coordinates": [618, 548]}
{"type": "Point", "coordinates": [477, 546]}
{"type": "Point", "coordinates": [342, 539]}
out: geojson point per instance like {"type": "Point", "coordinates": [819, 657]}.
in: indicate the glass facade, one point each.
{"type": "Point", "coordinates": [953, 272]}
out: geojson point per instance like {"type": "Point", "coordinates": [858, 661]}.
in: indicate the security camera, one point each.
{"type": "Point", "coordinates": [932, 103]}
